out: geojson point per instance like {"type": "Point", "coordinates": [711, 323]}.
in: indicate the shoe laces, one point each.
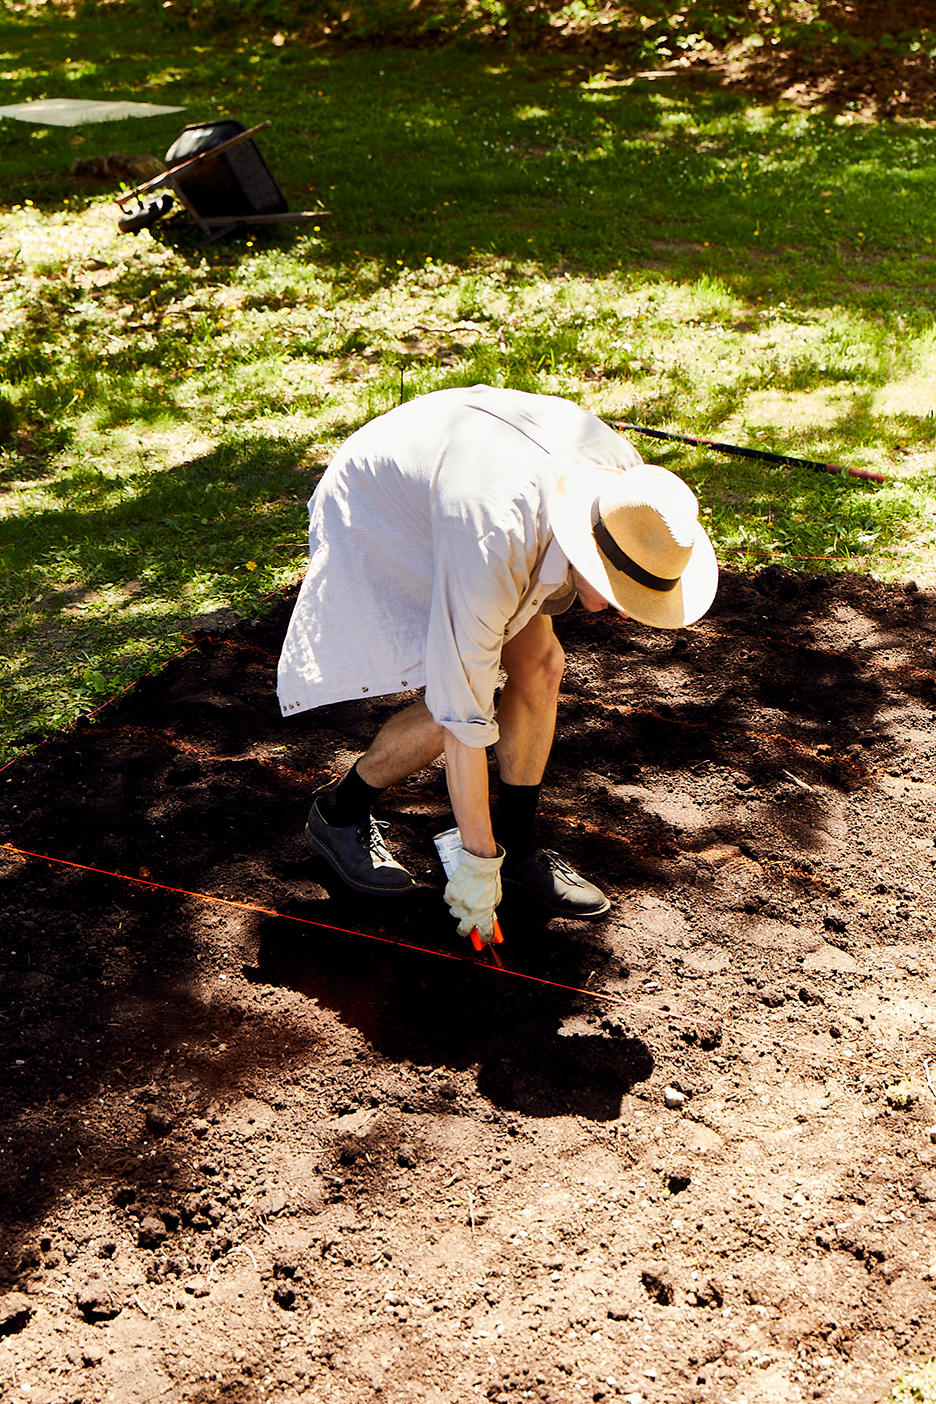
{"type": "Point", "coordinates": [560, 866]}
{"type": "Point", "coordinates": [371, 833]}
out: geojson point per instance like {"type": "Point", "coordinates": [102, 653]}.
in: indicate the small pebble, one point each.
{"type": "Point", "coordinates": [673, 1098]}
{"type": "Point", "coordinates": [932, 1134]}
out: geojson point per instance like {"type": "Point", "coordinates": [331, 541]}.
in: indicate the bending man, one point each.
{"type": "Point", "coordinates": [443, 536]}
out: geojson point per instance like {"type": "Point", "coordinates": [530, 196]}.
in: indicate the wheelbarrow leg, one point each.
{"type": "Point", "coordinates": [232, 228]}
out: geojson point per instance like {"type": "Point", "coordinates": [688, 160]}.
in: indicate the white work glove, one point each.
{"type": "Point", "coordinates": [473, 892]}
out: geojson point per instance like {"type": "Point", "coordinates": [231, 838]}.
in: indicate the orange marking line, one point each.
{"type": "Point", "coordinates": [191, 643]}
{"type": "Point", "coordinates": [350, 931]}
{"type": "Point", "coordinates": [166, 738]}
{"type": "Point", "coordinates": [99, 708]}
{"type": "Point", "coordinates": [631, 709]}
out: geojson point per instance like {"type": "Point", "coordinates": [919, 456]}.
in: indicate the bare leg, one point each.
{"type": "Point", "coordinates": [534, 663]}
{"type": "Point", "coordinates": [403, 745]}
{"type": "Point", "coordinates": [526, 715]}
{"type": "Point", "coordinates": [527, 718]}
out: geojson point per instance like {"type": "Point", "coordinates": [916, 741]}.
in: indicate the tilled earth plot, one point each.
{"type": "Point", "coordinates": [248, 1155]}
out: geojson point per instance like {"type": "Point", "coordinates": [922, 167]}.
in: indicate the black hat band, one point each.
{"type": "Point", "coordinates": [621, 560]}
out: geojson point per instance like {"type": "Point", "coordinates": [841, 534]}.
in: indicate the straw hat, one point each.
{"type": "Point", "coordinates": [636, 538]}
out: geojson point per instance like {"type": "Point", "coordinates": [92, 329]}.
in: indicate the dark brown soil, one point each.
{"type": "Point", "coordinates": [248, 1156]}
{"type": "Point", "coordinates": [857, 54]}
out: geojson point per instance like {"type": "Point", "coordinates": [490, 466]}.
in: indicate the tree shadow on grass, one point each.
{"type": "Point", "coordinates": [120, 528]}
{"type": "Point", "coordinates": [147, 529]}
{"type": "Point", "coordinates": [450, 154]}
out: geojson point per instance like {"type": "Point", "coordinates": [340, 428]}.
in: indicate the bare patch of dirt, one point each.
{"type": "Point", "coordinates": [854, 56]}
{"type": "Point", "coordinates": [247, 1152]}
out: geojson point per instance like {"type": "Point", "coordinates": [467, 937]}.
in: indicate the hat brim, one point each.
{"type": "Point", "coordinates": [569, 506]}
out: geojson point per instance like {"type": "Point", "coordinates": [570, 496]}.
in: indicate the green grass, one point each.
{"type": "Point", "coordinates": [668, 254]}
{"type": "Point", "coordinates": [917, 1386]}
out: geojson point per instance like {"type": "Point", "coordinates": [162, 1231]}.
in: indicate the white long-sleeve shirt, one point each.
{"type": "Point", "coordinates": [430, 545]}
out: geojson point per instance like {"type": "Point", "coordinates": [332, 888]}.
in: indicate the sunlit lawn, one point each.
{"type": "Point", "coordinates": [669, 255]}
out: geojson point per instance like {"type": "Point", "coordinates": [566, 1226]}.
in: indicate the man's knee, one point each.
{"type": "Point", "coordinates": [410, 740]}
{"type": "Point", "coordinates": [536, 662]}
{"type": "Point", "coordinates": [553, 662]}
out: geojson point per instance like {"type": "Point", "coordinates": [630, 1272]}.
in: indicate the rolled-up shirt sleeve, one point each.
{"type": "Point", "coordinates": [476, 592]}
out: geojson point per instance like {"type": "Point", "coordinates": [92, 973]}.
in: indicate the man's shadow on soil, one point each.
{"type": "Point", "coordinates": [461, 1014]}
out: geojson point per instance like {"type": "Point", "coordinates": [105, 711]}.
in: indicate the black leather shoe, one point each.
{"type": "Point", "coordinates": [358, 855]}
{"type": "Point", "coordinates": [554, 886]}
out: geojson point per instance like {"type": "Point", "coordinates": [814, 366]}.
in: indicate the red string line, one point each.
{"type": "Point", "coordinates": [21, 755]}
{"type": "Point", "coordinates": [347, 931]}
{"type": "Point", "coordinates": [183, 653]}
{"type": "Point", "coordinates": [31, 750]}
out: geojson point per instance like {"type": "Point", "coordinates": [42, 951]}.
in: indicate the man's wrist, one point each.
{"type": "Point", "coordinates": [481, 850]}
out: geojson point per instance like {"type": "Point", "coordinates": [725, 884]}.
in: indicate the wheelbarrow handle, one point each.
{"type": "Point", "coordinates": [173, 173]}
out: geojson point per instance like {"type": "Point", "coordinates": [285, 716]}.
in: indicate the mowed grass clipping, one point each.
{"type": "Point", "coordinates": [674, 256]}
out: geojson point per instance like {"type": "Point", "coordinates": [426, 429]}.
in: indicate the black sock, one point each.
{"type": "Point", "coordinates": [515, 824]}
{"type": "Point", "coordinates": [349, 802]}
